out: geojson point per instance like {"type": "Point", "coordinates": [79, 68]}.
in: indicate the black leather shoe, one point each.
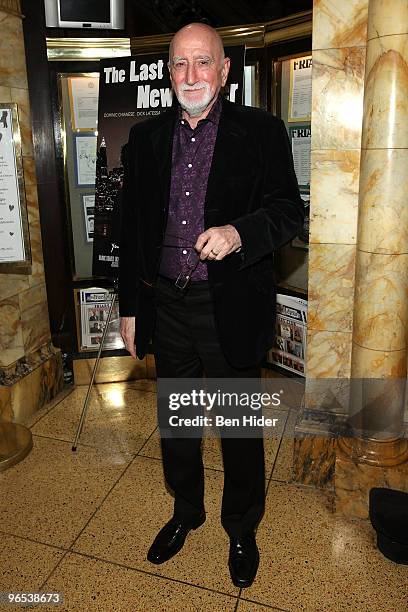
{"type": "Point", "coordinates": [170, 539]}
{"type": "Point", "coordinates": [243, 560]}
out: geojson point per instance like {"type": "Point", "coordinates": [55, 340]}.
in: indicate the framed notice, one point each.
{"type": "Point", "coordinates": [88, 203]}
{"type": "Point", "coordinates": [85, 160]}
{"type": "Point", "coordinates": [300, 94]}
{"type": "Point", "coordinates": [15, 253]}
{"type": "Point", "coordinates": [300, 137]}
{"type": "Point", "coordinates": [83, 100]}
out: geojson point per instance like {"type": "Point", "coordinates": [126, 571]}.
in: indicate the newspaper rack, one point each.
{"type": "Point", "coordinates": [289, 351]}
{"type": "Point", "coordinates": [94, 297]}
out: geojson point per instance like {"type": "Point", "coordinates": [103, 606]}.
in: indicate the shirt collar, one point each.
{"type": "Point", "coordinates": [213, 116]}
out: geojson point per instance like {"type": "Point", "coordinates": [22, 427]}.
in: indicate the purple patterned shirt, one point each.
{"type": "Point", "coordinates": [191, 162]}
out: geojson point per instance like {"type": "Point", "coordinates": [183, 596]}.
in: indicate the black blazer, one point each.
{"type": "Point", "coordinates": [252, 185]}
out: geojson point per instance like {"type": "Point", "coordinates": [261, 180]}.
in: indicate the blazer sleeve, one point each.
{"type": "Point", "coordinates": [128, 251]}
{"type": "Point", "coordinates": [280, 214]}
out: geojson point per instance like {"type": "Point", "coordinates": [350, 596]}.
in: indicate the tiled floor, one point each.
{"type": "Point", "coordinates": [81, 523]}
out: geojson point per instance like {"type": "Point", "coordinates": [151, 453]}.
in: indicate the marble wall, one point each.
{"type": "Point", "coordinates": [380, 305]}
{"type": "Point", "coordinates": [339, 55]}
{"type": "Point", "coordinates": [339, 59]}
{"type": "Point", "coordinates": [358, 272]}
{"type": "Point", "coordinates": [24, 324]}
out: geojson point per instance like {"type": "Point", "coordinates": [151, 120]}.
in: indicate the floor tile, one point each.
{"type": "Point", "coordinates": [129, 519]}
{"type": "Point", "coordinates": [310, 559]}
{"type": "Point", "coordinates": [24, 565]}
{"type": "Point", "coordinates": [93, 585]}
{"type": "Point", "coordinates": [118, 417]}
{"type": "Point", "coordinates": [314, 560]}
{"type": "Point", "coordinates": [50, 495]}
{"type": "Point", "coordinates": [152, 446]}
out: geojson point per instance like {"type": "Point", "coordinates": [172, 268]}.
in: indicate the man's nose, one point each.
{"type": "Point", "coordinates": [191, 76]}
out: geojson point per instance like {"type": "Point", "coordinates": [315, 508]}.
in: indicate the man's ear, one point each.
{"type": "Point", "coordinates": [225, 70]}
{"type": "Point", "coordinates": [169, 69]}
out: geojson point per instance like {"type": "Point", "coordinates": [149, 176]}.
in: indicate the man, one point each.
{"type": "Point", "coordinates": [209, 194]}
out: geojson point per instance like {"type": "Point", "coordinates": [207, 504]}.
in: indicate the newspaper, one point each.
{"type": "Point", "coordinates": [289, 351]}
{"type": "Point", "coordinates": [95, 303]}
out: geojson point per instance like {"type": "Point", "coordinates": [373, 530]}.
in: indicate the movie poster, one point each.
{"type": "Point", "coordinates": [131, 89]}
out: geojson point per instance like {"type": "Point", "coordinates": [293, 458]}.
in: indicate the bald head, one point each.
{"type": "Point", "coordinates": [197, 30]}
{"type": "Point", "coordinates": [198, 68]}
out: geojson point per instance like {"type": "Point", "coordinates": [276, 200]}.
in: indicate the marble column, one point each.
{"type": "Point", "coordinates": [30, 367]}
{"type": "Point", "coordinates": [339, 52]}
{"type": "Point", "coordinates": [380, 324]}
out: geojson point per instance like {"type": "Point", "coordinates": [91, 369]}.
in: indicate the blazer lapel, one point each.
{"type": "Point", "coordinates": [229, 147]}
{"type": "Point", "coordinates": [162, 142]}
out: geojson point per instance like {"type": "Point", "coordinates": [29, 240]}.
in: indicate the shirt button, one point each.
{"type": "Point", "coordinates": [182, 123]}
{"type": "Point", "coordinates": [183, 222]}
{"type": "Point", "coordinates": [187, 193]}
{"type": "Point", "coordinates": [190, 165]}
{"type": "Point", "coordinates": [184, 252]}
{"type": "Point", "coordinates": [193, 139]}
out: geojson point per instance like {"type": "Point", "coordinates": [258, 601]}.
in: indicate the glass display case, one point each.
{"type": "Point", "coordinates": [293, 86]}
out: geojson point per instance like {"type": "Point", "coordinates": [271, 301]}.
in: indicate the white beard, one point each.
{"type": "Point", "coordinates": [195, 108]}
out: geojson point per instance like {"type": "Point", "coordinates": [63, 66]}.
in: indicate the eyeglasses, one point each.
{"type": "Point", "coordinates": [191, 263]}
{"type": "Point", "coordinates": [200, 64]}
{"type": "Point", "coordinates": [184, 277]}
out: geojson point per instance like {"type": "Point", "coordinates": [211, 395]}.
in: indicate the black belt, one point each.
{"type": "Point", "coordinates": [172, 281]}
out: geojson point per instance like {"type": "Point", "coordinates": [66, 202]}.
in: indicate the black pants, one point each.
{"type": "Point", "coordinates": [186, 346]}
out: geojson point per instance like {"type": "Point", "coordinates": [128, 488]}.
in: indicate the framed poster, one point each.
{"type": "Point", "coordinates": [15, 253]}
{"type": "Point", "coordinates": [88, 203]}
{"type": "Point", "coordinates": [83, 101]}
{"type": "Point", "coordinates": [300, 94]}
{"type": "Point", "coordinates": [85, 160]}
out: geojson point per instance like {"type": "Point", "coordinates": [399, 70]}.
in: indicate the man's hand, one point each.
{"type": "Point", "coordinates": [127, 331]}
{"type": "Point", "coordinates": [217, 242]}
